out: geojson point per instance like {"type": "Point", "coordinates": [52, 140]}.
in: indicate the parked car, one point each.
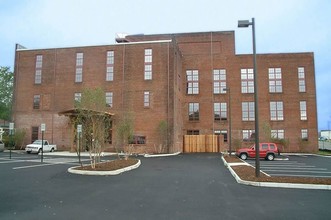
{"type": "Point", "coordinates": [2, 146]}
{"type": "Point", "coordinates": [36, 147]}
{"type": "Point", "coordinates": [267, 150]}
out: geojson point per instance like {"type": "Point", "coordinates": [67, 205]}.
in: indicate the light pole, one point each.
{"type": "Point", "coordinates": [247, 23]}
{"type": "Point", "coordinates": [230, 120]}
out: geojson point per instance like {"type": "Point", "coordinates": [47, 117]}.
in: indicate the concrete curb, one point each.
{"type": "Point", "coordinates": [273, 184]}
{"type": "Point", "coordinates": [103, 173]}
{"type": "Point", "coordinates": [161, 155]}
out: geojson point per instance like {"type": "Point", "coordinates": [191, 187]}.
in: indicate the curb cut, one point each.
{"type": "Point", "coordinates": [273, 184]}
{"type": "Point", "coordinates": [103, 173]}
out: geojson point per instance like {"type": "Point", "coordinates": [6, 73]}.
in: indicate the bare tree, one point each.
{"type": "Point", "coordinates": [124, 133]}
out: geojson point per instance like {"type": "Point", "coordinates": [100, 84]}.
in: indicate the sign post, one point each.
{"type": "Point", "coordinates": [42, 128]}
{"type": "Point", "coordinates": [11, 131]}
{"type": "Point", "coordinates": [79, 131]}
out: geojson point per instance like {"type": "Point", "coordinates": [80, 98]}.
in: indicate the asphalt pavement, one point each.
{"type": "Point", "coordinates": [187, 186]}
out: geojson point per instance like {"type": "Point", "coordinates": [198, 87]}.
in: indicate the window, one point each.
{"type": "Point", "coordinates": [34, 133]}
{"type": "Point", "coordinates": [302, 81]}
{"type": "Point", "coordinates": [193, 111]}
{"type": "Point", "coordinates": [277, 134]}
{"type": "Point", "coordinates": [110, 66]}
{"type": "Point", "coordinates": [79, 67]}
{"type": "Point", "coordinates": [275, 80]}
{"type": "Point", "coordinates": [36, 102]}
{"type": "Point", "coordinates": [109, 99]}
{"type": "Point", "coordinates": [39, 64]}
{"type": "Point", "coordinates": [248, 135]}
{"type": "Point", "coordinates": [148, 64]}
{"type": "Point", "coordinates": [264, 146]}
{"type": "Point", "coordinates": [303, 110]}
{"type": "Point", "coordinates": [222, 132]}
{"type": "Point", "coordinates": [247, 81]}
{"type": "Point", "coordinates": [192, 78]}
{"type": "Point", "coordinates": [304, 134]}
{"type": "Point", "coordinates": [192, 132]}
{"type": "Point", "coordinates": [248, 113]}
{"type": "Point", "coordinates": [146, 99]}
{"type": "Point", "coordinates": [78, 96]}
{"type": "Point", "coordinates": [138, 139]}
{"type": "Point", "coordinates": [219, 81]}
{"type": "Point", "coordinates": [220, 111]}
{"type": "Point", "coordinates": [276, 111]}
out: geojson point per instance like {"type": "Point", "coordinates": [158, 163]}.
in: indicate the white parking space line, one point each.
{"type": "Point", "coordinates": [49, 162]}
{"type": "Point", "coordinates": [298, 171]}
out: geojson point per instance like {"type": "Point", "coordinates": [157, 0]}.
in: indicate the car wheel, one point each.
{"type": "Point", "coordinates": [243, 156]}
{"type": "Point", "coordinates": [29, 152]}
{"type": "Point", "coordinates": [52, 150]}
{"type": "Point", "coordinates": [39, 151]}
{"type": "Point", "coordinates": [270, 157]}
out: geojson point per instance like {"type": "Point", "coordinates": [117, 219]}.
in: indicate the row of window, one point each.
{"type": "Point", "coordinates": [247, 81]}
{"type": "Point", "coordinates": [108, 95]}
{"type": "Point", "coordinates": [109, 66]}
{"type": "Point", "coordinates": [247, 111]}
{"type": "Point", "coordinates": [249, 135]}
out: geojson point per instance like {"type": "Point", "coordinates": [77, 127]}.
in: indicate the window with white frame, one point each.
{"type": "Point", "coordinates": [219, 76]}
{"type": "Point", "coordinates": [275, 80]}
{"type": "Point", "coordinates": [248, 113]}
{"type": "Point", "coordinates": [78, 96]}
{"type": "Point", "coordinates": [303, 110]}
{"type": "Point", "coordinates": [302, 80]}
{"type": "Point", "coordinates": [220, 111]}
{"type": "Point", "coordinates": [148, 64]}
{"type": "Point", "coordinates": [39, 64]}
{"type": "Point", "coordinates": [79, 67]}
{"type": "Point", "coordinates": [193, 111]}
{"type": "Point", "coordinates": [147, 99]}
{"type": "Point", "coordinates": [276, 111]}
{"type": "Point", "coordinates": [222, 132]}
{"type": "Point", "coordinates": [110, 66]}
{"type": "Point", "coordinates": [248, 135]}
{"type": "Point", "coordinates": [192, 79]}
{"type": "Point", "coordinates": [277, 134]}
{"type": "Point", "coordinates": [304, 134]}
{"type": "Point", "coordinates": [247, 81]}
{"type": "Point", "coordinates": [109, 99]}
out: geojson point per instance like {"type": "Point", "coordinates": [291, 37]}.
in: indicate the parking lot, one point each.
{"type": "Point", "coordinates": [187, 186]}
{"type": "Point", "coordinates": [297, 165]}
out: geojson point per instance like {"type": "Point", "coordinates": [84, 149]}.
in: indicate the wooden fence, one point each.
{"type": "Point", "coordinates": [202, 143]}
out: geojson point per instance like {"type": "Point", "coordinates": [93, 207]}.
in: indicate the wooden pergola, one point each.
{"type": "Point", "coordinates": [74, 113]}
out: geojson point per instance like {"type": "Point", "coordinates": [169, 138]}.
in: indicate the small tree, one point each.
{"type": "Point", "coordinates": [94, 120]}
{"type": "Point", "coordinates": [162, 130]}
{"type": "Point", "coordinates": [124, 133]}
{"type": "Point", "coordinates": [6, 92]}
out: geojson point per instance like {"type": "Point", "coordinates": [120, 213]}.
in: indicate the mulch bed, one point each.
{"type": "Point", "coordinates": [111, 165]}
{"type": "Point", "coordinates": [248, 173]}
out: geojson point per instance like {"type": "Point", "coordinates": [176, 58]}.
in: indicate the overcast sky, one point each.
{"type": "Point", "coordinates": [281, 26]}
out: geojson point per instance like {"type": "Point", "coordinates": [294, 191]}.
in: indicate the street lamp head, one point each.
{"type": "Point", "coordinates": [243, 23]}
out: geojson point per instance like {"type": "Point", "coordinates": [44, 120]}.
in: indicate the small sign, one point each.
{"type": "Point", "coordinates": [43, 127]}
{"type": "Point", "coordinates": [79, 128]}
{"type": "Point", "coordinates": [11, 126]}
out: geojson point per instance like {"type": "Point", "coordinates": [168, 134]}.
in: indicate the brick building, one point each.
{"type": "Point", "coordinates": [193, 81]}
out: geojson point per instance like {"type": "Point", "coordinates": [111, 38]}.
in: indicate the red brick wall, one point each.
{"type": "Point", "coordinates": [169, 101]}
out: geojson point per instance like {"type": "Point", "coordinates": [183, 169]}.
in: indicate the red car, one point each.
{"type": "Point", "coordinates": [267, 150]}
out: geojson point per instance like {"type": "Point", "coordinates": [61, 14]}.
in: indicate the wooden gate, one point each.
{"type": "Point", "coordinates": [202, 143]}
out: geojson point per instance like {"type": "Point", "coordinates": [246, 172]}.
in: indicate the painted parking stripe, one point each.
{"type": "Point", "coordinates": [299, 171]}
{"type": "Point", "coordinates": [41, 165]}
